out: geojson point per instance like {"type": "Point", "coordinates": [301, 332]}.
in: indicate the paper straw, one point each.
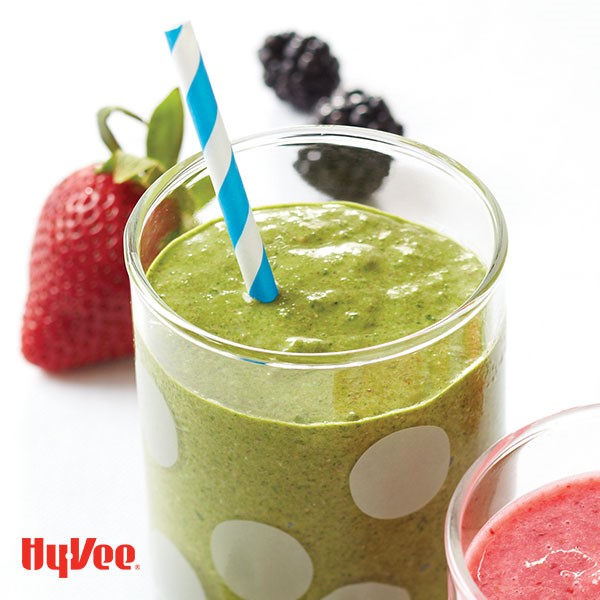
{"type": "Point", "coordinates": [239, 220]}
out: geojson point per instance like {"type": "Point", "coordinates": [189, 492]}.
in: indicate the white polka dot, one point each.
{"type": "Point", "coordinates": [260, 562]}
{"type": "Point", "coordinates": [174, 576]}
{"type": "Point", "coordinates": [401, 473]}
{"type": "Point", "coordinates": [158, 425]}
{"type": "Point", "coordinates": [369, 591]}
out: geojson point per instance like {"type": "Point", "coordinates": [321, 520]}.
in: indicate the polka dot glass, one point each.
{"type": "Point", "coordinates": [326, 476]}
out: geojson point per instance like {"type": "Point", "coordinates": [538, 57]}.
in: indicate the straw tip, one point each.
{"type": "Point", "coordinates": [172, 33]}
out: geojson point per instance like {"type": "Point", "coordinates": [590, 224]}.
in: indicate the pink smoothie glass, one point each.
{"type": "Point", "coordinates": [564, 446]}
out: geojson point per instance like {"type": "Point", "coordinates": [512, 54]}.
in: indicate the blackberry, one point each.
{"type": "Point", "coordinates": [359, 109]}
{"type": "Point", "coordinates": [343, 173]}
{"type": "Point", "coordinates": [301, 70]}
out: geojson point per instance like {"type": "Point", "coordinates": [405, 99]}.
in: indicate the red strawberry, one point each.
{"type": "Point", "coordinates": [78, 308]}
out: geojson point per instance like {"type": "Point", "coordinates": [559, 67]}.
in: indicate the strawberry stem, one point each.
{"type": "Point", "coordinates": [105, 133]}
{"type": "Point", "coordinates": [163, 144]}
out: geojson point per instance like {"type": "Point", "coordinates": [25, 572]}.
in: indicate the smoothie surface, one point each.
{"type": "Point", "coordinates": [545, 546]}
{"type": "Point", "coordinates": [349, 277]}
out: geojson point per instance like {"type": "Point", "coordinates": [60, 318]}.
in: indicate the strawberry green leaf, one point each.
{"type": "Point", "coordinates": [125, 166]}
{"type": "Point", "coordinates": [165, 130]}
{"type": "Point", "coordinates": [202, 191]}
{"type": "Point", "coordinates": [191, 199]}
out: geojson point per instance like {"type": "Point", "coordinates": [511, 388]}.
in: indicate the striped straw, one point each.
{"type": "Point", "coordinates": [239, 220]}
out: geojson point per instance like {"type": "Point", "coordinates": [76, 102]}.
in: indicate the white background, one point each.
{"type": "Point", "coordinates": [510, 89]}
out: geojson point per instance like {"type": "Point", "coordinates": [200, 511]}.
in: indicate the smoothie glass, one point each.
{"type": "Point", "coordinates": [286, 475]}
{"type": "Point", "coordinates": [553, 449]}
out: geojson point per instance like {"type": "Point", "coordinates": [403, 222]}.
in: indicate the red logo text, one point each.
{"type": "Point", "coordinates": [75, 556]}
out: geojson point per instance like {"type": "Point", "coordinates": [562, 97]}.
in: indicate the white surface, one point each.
{"type": "Point", "coordinates": [510, 89]}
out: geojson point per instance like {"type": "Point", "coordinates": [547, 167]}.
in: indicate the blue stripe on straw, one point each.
{"type": "Point", "coordinates": [262, 287]}
{"type": "Point", "coordinates": [236, 218]}
{"type": "Point", "coordinates": [235, 207]}
{"type": "Point", "coordinates": [172, 36]}
{"type": "Point", "coordinates": [202, 104]}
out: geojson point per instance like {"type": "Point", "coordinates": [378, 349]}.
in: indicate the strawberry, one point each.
{"type": "Point", "coordinates": [78, 307]}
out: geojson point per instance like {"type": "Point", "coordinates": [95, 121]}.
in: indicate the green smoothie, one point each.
{"type": "Point", "coordinates": [315, 480]}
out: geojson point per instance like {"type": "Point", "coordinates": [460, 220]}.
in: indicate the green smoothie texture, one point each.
{"type": "Point", "coordinates": [348, 277]}
{"type": "Point", "coordinates": [279, 446]}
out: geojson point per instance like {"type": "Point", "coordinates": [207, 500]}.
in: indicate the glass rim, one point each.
{"type": "Point", "coordinates": [455, 559]}
{"type": "Point", "coordinates": [383, 142]}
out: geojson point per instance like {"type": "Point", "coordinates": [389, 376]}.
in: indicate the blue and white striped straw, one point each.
{"type": "Point", "coordinates": [195, 86]}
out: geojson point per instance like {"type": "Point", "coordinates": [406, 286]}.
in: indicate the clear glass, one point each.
{"type": "Point", "coordinates": [262, 484]}
{"type": "Point", "coordinates": [552, 449]}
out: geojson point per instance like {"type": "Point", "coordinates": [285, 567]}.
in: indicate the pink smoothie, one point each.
{"type": "Point", "coordinates": [544, 546]}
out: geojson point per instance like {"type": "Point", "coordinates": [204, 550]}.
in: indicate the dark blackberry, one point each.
{"type": "Point", "coordinates": [301, 70]}
{"type": "Point", "coordinates": [343, 173]}
{"type": "Point", "coordinates": [359, 109]}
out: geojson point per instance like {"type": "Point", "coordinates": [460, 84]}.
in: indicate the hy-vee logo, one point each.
{"type": "Point", "coordinates": [63, 558]}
